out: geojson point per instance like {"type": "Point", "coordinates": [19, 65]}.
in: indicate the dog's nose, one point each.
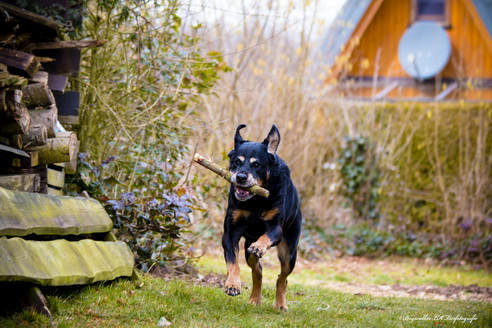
{"type": "Point", "coordinates": [241, 177]}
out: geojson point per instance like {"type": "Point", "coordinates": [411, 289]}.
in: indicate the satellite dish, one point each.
{"type": "Point", "coordinates": [424, 50]}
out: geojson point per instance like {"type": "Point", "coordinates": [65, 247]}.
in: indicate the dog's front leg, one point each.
{"type": "Point", "coordinates": [230, 243]}
{"type": "Point", "coordinates": [271, 238]}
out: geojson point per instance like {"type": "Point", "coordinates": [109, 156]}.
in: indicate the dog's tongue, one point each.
{"type": "Point", "coordinates": [242, 192]}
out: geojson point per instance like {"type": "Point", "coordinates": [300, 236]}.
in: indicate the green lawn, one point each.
{"type": "Point", "coordinates": [123, 304]}
{"type": "Point", "coordinates": [389, 271]}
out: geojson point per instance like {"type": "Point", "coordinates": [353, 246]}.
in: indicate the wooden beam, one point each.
{"type": "Point", "coordinates": [57, 82]}
{"type": "Point", "coordinates": [67, 60]}
{"type": "Point", "coordinates": [357, 34]}
{"type": "Point", "coordinates": [30, 16]}
{"type": "Point", "coordinates": [21, 62]}
{"type": "Point", "coordinates": [54, 191]}
{"type": "Point", "coordinates": [383, 93]}
{"type": "Point", "coordinates": [441, 96]}
{"type": "Point", "coordinates": [26, 213]}
{"type": "Point", "coordinates": [14, 151]}
{"type": "Point", "coordinates": [61, 262]}
{"type": "Point", "coordinates": [66, 44]}
{"type": "Point", "coordinates": [20, 182]}
{"type": "Point", "coordinates": [56, 178]}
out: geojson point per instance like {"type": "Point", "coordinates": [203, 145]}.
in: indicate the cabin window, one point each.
{"type": "Point", "coordinates": [430, 10]}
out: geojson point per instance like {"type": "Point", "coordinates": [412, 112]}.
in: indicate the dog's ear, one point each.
{"type": "Point", "coordinates": [231, 153]}
{"type": "Point", "coordinates": [272, 140]}
{"type": "Point", "coordinates": [238, 140]}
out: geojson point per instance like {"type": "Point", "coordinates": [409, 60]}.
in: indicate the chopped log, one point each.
{"type": "Point", "coordinates": [3, 105]}
{"type": "Point", "coordinates": [257, 190]}
{"type": "Point", "coordinates": [56, 178]}
{"type": "Point", "coordinates": [19, 62]}
{"type": "Point", "coordinates": [4, 73]}
{"type": "Point", "coordinates": [57, 150]}
{"type": "Point", "coordinates": [14, 82]}
{"type": "Point", "coordinates": [42, 171]}
{"type": "Point", "coordinates": [5, 141]}
{"type": "Point", "coordinates": [44, 215]}
{"type": "Point", "coordinates": [47, 117]}
{"type": "Point", "coordinates": [18, 112]}
{"type": "Point", "coordinates": [71, 167]}
{"type": "Point", "coordinates": [16, 141]}
{"type": "Point", "coordinates": [61, 262]}
{"type": "Point", "coordinates": [41, 77]}
{"type": "Point", "coordinates": [37, 95]}
{"type": "Point", "coordinates": [38, 136]}
{"type": "Point", "coordinates": [66, 44]}
{"type": "Point", "coordinates": [33, 161]}
{"type": "Point", "coordinates": [20, 182]}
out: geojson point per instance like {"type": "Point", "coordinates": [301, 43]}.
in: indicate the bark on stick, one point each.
{"type": "Point", "coordinates": [257, 190]}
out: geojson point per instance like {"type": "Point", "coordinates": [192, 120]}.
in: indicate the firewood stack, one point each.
{"type": "Point", "coordinates": [34, 68]}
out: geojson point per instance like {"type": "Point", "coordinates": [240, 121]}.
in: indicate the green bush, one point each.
{"type": "Point", "coordinates": [360, 176]}
{"type": "Point", "coordinates": [139, 93]}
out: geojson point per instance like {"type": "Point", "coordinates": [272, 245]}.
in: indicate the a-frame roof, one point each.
{"type": "Point", "coordinates": [352, 12]}
{"type": "Point", "coordinates": [484, 8]}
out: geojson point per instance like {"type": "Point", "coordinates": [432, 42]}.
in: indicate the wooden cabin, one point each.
{"type": "Point", "coordinates": [372, 52]}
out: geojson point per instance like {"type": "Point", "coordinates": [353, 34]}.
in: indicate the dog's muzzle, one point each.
{"type": "Point", "coordinates": [242, 181]}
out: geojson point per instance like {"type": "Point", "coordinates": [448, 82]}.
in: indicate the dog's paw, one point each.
{"type": "Point", "coordinates": [281, 307]}
{"type": "Point", "coordinates": [255, 300]}
{"type": "Point", "coordinates": [233, 286]}
{"type": "Point", "coordinates": [257, 249]}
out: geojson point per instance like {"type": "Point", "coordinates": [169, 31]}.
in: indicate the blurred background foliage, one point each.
{"type": "Point", "coordinates": [375, 178]}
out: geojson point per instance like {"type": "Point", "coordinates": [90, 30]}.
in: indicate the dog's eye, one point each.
{"type": "Point", "coordinates": [237, 162]}
{"type": "Point", "coordinates": [255, 165]}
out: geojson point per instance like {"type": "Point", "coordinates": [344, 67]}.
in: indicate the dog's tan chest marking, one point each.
{"type": "Point", "coordinates": [269, 215]}
{"type": "Point", "coordinates": [240, 214]}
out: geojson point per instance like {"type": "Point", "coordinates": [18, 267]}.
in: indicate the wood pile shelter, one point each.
{"type": "Point", "coordinates": [430, 50]}
{"type": "Point", "coordinates": [46, 239]}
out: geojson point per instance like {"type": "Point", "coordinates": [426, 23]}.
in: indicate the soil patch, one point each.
{"type": "Point", "coordinates": [452, 292]}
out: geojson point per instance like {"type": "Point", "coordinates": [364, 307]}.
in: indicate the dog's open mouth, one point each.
{"type": "Point", "coordinates": [242, 194]}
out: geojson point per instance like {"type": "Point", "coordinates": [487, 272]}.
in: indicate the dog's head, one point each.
{"type": "Point", "coordinates": [252, 162]}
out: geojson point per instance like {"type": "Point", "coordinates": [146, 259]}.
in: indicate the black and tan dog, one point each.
{"type": "Point", "coordinates": [263, 222]}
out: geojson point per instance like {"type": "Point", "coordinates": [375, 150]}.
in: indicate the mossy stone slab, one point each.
{"type": "Point", "coordinates": [23, 213]}
{"type": "Point", "coordinates": [61, 262]}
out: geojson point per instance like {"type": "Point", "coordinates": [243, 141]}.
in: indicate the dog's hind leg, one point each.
{"type": "Point", "coordinates": [287, 254]}
{"type": "Point", "coordinates": [257, 275]}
